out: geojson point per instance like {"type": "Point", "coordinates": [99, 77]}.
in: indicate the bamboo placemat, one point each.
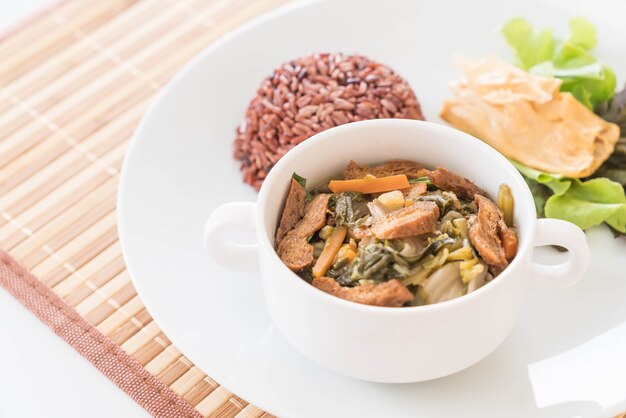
{"type": "Point", "coordinates": [74, 83]}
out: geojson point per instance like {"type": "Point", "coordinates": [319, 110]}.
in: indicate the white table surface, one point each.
{"type": "Point", "coordinates": [40, 375]}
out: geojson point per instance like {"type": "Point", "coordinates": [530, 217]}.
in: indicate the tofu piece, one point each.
{"type": "Point", "coordinates": [294, 250]}
{"type": "Point", "coordinates": [390, 168]}
{"type": "Point", "coordinates": [486, 229]}
{"type": "Point", "coordinates": [417, 219]}
{"type": "Point", "coordinates": [391, 293]}
{"type": "Point", "coordinates": [293, 211]}
{"type": "Point", "coordinates": [447, 180]}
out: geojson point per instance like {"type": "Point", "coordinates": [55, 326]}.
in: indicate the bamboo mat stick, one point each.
{"type": "Point", "coordinates": [92, 118]}
{"type": "Point", "coordinates": [75, 254]}
{"type": "Point", "coordinates": [111, 69]}
{"type": "Point", "coordinates": [120, 128]}
{"type": "Point", "coordinates": [105, 53]}
{"type": "Point", "coordinates": [110, 58]}
{"type": "Point", "coordinates": [144, 335]}
{"type": "Point", "coordinates": [65, 287]}
{"type": "Point", "coordinates": [200, 391]}
{"type": "Point", "coordinates": [108, 284]}
{"type": "Point", "coordinates": [130, 328]}
{"type": "Point", "coordinates": [151, 349]}
{"type": "Point", "coordinates": [174, 371]}
{"type": "Point", "coordinates": [65, 63]}
{"type": "Point", "coordinates": [48, 222]}
{"type": "Point", "coordinates": [24, 189]}
{"type": "Point", "coordinates": [186, 382]}
{"type": "Point", "coordinates": [37, 255]}
{"type": "Point", "coordinates": [72, 160]}
{"type": "Point", "coordinates": [70, 219]}
{"type": "Point", "coordinates": [20, 199]}
{"type": "Point", "coordinates": [70, 223]}
{"type": "Point", "coordinates": [73, 190]}
{"type": "Point", "coordinates": [71, 134]}
{"type": "Point", "coordinates": [39, 28]}
{"type": "Point", "coordinates": [110, 278]}
{"type": "Point", "coordinates": [111, 305]}
{"type": "Point", "coordinates": [66, 227]}
{"type": "Point", "coordinates": [90, 148]}
{"type": "Point", "coordinates": [164, 360]}
{"type": "Point", "coordinates": [25, 139]}
{"type": "Point", "coordinates": [65, 118]}
{"type": "Point", "coordinates": [101, 286]}
{"type": "Point", "coordinates": [102, 293]}
{"type": "Point", "coordinates": [90, 250]}
{"type": "Point", "coordinates": [98, 178]}
{"type": "Point", "coordinates": [214, 401]}
{"type": "Point", "coordinates": [120, 316]}
{"type": "Point", "coordinates": [231, 407]}
{"type": "Point", "coordinates": [250, 411]}
{"type": "Point", "coordinates": [99, 243]}
{"type": "Point", "coordinates": [96, 14]}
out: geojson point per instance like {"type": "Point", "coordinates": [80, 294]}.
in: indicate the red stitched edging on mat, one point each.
{"type": "Point", "coordinates": [123, 370]}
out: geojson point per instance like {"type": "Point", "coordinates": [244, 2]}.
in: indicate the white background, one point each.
{"type": "Point", "coordinates": [40, 375]}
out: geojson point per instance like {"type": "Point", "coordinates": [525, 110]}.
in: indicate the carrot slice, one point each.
{"type": "Point", "coordinates": [331, 248]}
{"type": "Point", "coordinates": [370, 184]}
{"type": "Point", "coordinates": [509, 243]}
{"type": "Point", "coordinates": [417, 188]}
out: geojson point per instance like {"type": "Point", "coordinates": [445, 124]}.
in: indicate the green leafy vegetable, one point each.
{"type": "Point", "coordinates": [584, 203]}
{"type": "Point", "coordinates": [302, 182]}
{"type": "Point", "coordinates": [590, 203]}
{"type": "Point", "coordinates": [583, 33]}
{"type": "Point", "coordinates": [541, 53]}
{"type": "Point", "coordinates": [615, 111]}
{"type": "Point", "coordinates": [540, 194]}
{"type": "Point", "coordinates": [346, 209]}
{"type": "Point", "coordinates": [446, 201]}
{"type": "Point", "coordinates": [433, 247]}
{"type": "Point", "coordinates": [530, 48]}
{"type": "Point", "coordinates": [374, 261]}
{"type": "Point", "coordinates": [555, 182]}
{"type": "Point", "coordinates": [423, 179]}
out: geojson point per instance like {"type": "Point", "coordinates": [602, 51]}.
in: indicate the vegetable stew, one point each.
{"type": "Point", "coordinates": [396, 234]}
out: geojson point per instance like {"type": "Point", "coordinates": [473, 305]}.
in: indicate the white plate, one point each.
{"type": "Point", "coordinates": [564, 358]}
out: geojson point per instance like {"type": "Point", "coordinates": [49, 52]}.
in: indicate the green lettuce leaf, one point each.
{"type": "Point", "coordinates": [583, 33]}
{"type": "Point", "coordinates": [541, 53]}
{"type": "Point", "coordinates": [555, 182]}
{"type": "Point", "coordinates": [530, 48]}
{"type": "Point", "coordinates": [590, 203]}
{"type": "Point", "coordinates": [302, 182]}
{"type": "Point", "coordinates": [584, 203]}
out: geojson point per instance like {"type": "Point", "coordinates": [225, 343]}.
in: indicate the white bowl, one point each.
{"type": "Point", "coordinates": [381, 344]}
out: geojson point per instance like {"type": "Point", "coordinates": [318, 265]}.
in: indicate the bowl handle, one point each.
{"type": "Point", "coordinates": [572, 238]}
{"type": "Point", "coordinates": [218, 232]}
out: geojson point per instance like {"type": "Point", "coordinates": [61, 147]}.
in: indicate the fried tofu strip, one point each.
{"type": "Point", "coordinates": [391, 293]}
{"type": "Point", "coordinates": [293, 212]}
{"type": "Point", "coordinates": [294, 250]}
{"type": "Point", "coordinates": [417, 219]}
{"type": "Point", "coordinates": [390, 168]}
{"type": "Point", "coordinates": [488, 233]}
{"type": "Point", "coordinates": [447, 180]}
